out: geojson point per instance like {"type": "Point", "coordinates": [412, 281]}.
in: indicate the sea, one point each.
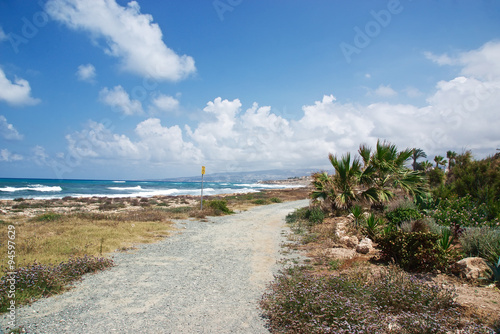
{"type": "Point", "coordinates": [55, 188]}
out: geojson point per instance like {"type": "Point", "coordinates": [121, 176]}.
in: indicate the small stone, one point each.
{"type": "Point", "coordinates": [471, 268]}
{"type": "Point", "coordinates": [364, 246]}
{"type": "Point", "coordinates": [350, 242]}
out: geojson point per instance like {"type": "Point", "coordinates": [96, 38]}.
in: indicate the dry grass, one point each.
{"type": "Point", "coordinates": [52, 231]}
{"type": "Point", "coordinates": [57, 240]}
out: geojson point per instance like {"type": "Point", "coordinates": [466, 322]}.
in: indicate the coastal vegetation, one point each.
{"type": "Point", "coordinates": [59, 240]}
{"type": "Point", "coordinates": [421, 217]}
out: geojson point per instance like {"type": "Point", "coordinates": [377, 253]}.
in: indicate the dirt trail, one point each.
{"type": "Point", "coordinates": [208, 278]}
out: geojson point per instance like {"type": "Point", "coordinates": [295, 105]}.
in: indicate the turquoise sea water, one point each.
{"type": "Point", "coordinates": [47, 189]}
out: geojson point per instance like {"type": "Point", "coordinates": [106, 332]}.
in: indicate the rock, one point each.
{"type": "Point", "coordinates": [350, 242]}
{"type": "Point", "coordinates": [471, 268]}
{"type": "Point", "coordinates": [364, 246]}
{"type": "Point", "coordinates": [342, 253]}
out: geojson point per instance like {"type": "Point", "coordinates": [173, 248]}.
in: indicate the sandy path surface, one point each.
{"type": "Point", "coordinates": [207, 278]}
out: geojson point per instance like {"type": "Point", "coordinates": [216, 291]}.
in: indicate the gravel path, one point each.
{"type": "Point", "coordinates": [208, 278]}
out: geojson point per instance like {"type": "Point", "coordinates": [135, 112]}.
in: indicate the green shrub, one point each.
{"type": "Point", "coordinates": [275, 200]}
{"type": "Point", "coordinates": [260, 201]}
{"type": "Point", "coordinates": [315, 215]}
{"type": "Point", "coordinates": [415, 251]}
{"type": "Point", "coordinates": [481, 241]}
{"type": "Point", "coordinates": [371, 226]}
{"type": "Point", "coordinates": [48, 217]}
{"type": "Point", "coordinates": [219, 206]}
{"type": "Point", "coordinates": [463, 211]}
{"type": "Point", "coordinates": [436, 177]}
{"type": "Point", "coordinates": [402, 214]}
{"type": "Point", "coordinates": [295, 216]}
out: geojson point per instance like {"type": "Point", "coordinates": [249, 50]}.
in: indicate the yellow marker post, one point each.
{"type": "Point", "coordinates": [202, 173]}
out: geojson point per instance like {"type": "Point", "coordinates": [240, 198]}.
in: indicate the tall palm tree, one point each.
{"type": "Point", "coordinates": [372, 181]}
{"type": "Point", "coordinates": [439, 160]}
{"type": "Point", "coordinates": [416, 154]}
{"type": "Point", "coordinates": [452, 156]}
{"type": "Point", "coordinates": [426, 165]}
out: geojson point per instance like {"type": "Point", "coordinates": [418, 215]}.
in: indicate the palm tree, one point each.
{"type": "Point", "coordinates": [452, 156]}
{"type": "Point", "coordinates": [416, 154]}
{"type": "Point", "coordinates": [372, 181]}
{"type": "Point", "coordinates": [439, 160]}
{"type": "Point", "coordinates": [426, 165]}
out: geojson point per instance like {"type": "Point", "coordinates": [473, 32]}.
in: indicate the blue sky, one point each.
{"type": "Point", "coordinates": [115, 89]}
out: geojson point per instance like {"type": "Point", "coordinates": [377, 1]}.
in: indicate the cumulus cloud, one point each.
{"type": "Point", "coordinates": [481, 63]}
{"type": "Point", "coordinates": [128, 34]}
{"type": "Point", "coordinates": [460, 113]}
{"type": "Point", "coordinates": [440, 59]}
{"type": "Point", "coordinates": [7, 131]}
{"type": "Point", "coordinates": [7, 156]}
{"type": "Point", "coordinates": [383, 91]}
{"type": "Point", "coordinates": [118, 98]}
{"type": "Point", "coordinates": [86, 73]}
{"type": "Point", "coordinates": [165, 103]}
{"type": "Point", "coordinates": [17, 93]}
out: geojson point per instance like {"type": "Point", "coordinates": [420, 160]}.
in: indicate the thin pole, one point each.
{"type": "Point", "coordinates": [201, 202]}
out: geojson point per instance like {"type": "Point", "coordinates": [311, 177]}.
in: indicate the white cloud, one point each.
{"type": "Point", "coordinates": [440, 59]}
{"type": "Point", "coordinates": [165, 103]}
{"type": "Point", "coordinates": [86, 73]}
{"type": "Point", "coordinates": [16, 93]}
{"type": "Point", "coordinates": [128, 34]}
{"type": "Point", "coordinates": [119, 98]}
{"type": "Point", "coordinates": [383, 91]}
{"type": "Point", "coordinates": [8, 131]}
{"type": "Point", "coordinates": [7, 156]}
{"type": "Point", "coordinates": [460, 113]}
{"type": "Point", "coordinates": [481, 63]}
{"type": "Point", "coordinates": [3, 36]}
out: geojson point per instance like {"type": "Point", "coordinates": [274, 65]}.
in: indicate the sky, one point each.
{"type": "Point", "coordinates": [112, 89]}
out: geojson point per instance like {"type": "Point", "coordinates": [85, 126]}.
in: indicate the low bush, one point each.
{"type": "Point", "coordinates": [463, 212]}
{"type": "Point", "coordinates": [415, 251]}
{"type": "Point", "coordinates": [481, 241]}
{"type": "Point", "coordinates": [219, 206]}
{"type": "Point", "coordinates": [37, 280]}
{"type": "Point", "coordinates": [392, 302]}
{"type": "Point", "coordinates": [402, 214]}
{"type": "Point", "coordinates": [48, 217]}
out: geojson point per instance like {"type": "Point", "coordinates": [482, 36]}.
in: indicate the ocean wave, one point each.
{"type": "Point", "coordinates": [125, 188]}
{"type": "Point", "coordinates": [268, 186]}
{"type": "Point", "coordinates": [119, 181]}
{"type": "Point", "coordinates": [36, 187]}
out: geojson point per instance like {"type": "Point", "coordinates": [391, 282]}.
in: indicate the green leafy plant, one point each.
{"type": "Point", "coordinates": [495, 268]}
{"type": "Point", "coordinates": [402, 214]}
{"type": "Point", "coordinates": [415, 251]}
{"type": "Point", "coordinates": [481, 241]}
{"type": "Point", "coordinates": [357, 212]}
{"type": "Point", "coordinates": [371, 225]}
{"type": "Point", "coordinates": [462, 211]}
{"type": "Point", "coordinates": [219, 206]}
{"type": "Point", "coordinates": [446, 239]}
